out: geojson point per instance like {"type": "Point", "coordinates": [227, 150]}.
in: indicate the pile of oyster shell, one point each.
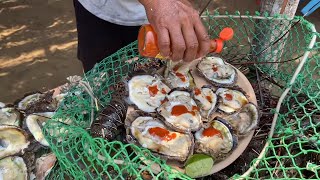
{"type": "Point", "coordinates": [24, 152]}
{"type": "Point", "coordinates": [174, 118]}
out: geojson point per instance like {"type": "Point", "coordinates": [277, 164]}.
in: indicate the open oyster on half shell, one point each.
{"type": "Point", "coordinates": [231, 100]}
{"type": "Point", "coordinates": [245, 119]}
{"type": "Point", "coordinates": [178, 75]}
{"type": "Point", "coordinates": [147, 91]}
{"type": "Point", "coordinates": [13, 140]}
{"type": "Point", "coordinates": [217, 71]}
{"type": "Point", "coordinates": [206, 99]}
{"type": "Point", "coordinates": [13, 167]}
{"type": "Point", "coordinates": [149, 132]}
{"type": "Point", "coordinates": [215, 139]}
{"type": "Point", "coordinates": [10, 116]}
{"type": "Point", "coordinates": [180, 112]}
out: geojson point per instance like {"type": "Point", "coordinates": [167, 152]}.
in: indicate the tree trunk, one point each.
{"type": "Point", "coordinates": [267, 31]}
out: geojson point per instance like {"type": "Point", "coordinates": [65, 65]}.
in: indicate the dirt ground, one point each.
{"type": "Point", "coordinates": [38, 43]}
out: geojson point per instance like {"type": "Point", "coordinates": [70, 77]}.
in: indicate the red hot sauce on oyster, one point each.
{"type": "Point", "coordinates": [209, 132]}
{"type": "Point", "coordinates": [182, 109]}
{"type": "Point", "coordinates": [153, 90]}
{"type": "Point", "coordinates": [162, 133]}
{"type": "Point", "coordinates": [228, 97]}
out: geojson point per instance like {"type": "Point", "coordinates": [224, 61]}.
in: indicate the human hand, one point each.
{"type": "Point", "coordinates": [180, 32]}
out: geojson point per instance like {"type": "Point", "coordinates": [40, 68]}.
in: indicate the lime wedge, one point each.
{"type": "Point", "coordinates": [199, 165]}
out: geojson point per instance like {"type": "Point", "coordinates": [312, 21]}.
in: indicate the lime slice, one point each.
{"type": "Point", "coordinates": [199, 165]}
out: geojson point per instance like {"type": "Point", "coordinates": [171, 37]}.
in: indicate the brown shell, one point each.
{"type": "Point", "coordinates": [131, 139]}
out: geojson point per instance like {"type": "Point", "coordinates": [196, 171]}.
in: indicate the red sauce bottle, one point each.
{"type": "Point", "coordinates": [148, 42]}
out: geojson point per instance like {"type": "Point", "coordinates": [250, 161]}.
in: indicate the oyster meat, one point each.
{"type": "Point", "coordinates": [151, 133]}
{"type": "Point", "coordinates": [35, 122]}
{"type": "Point", "coordinates": [217, 71]}
{"type": "Point", "coordinates": [12, 140]}
{"type": "Point", "coordinates": [10, 116]}
{"type": "Point", "coordinates": [215, 139]}
{"type": "Point", "coordinates": [147, 92]}
{"type": "Point", "coordinates": [180, 112]}
{"type": "Point", "coordinates": [206, 100]}
{"type": "Point", "coordinates": [245, 120]}
{"type": "Point", "coordinates": [179, 76]}
{"type": "Point", "coordinates": [13, 167]}
{"type": "Point", "coordinates": [231, 100]}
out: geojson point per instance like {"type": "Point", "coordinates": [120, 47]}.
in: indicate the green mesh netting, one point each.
{"type": "Point", "coordinates": [293, 152]}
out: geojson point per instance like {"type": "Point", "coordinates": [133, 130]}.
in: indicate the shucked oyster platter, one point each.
{"type": "Point", "coordinates": [205, 108]}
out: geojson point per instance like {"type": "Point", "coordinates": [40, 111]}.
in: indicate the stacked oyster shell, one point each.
{"type": "Point", "coordinates": [24, 152]}
{"type": "Point", "coordinates": [175, 118]}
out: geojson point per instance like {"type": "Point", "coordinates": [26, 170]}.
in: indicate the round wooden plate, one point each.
{"type": "Point", "coordinates": [243, 83]}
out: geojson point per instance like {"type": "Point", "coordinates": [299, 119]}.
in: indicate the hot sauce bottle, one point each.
{"type": "Point", "coordinates": [148, 42]}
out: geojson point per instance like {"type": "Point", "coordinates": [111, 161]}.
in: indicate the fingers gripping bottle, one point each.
{"type": "Point", "coordinates": [148, 42]}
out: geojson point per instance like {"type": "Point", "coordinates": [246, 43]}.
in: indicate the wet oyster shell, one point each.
{"type": "Point", "coordinates": [245, 120]}
{"type": "Point", "coordinates": [13, 140]}
{"type": "Point", "coordinates": [10, 116]}
{"type": "Point", "coordinates": [206, 99]}
{"type": "Point", "coordinates": [44, 165]}
{"type": "Point", "coordinates": [146, 92]}
{"type": "Point", "coordinates": [217, 71]}
{"type": "Point", "coordinates": [178, 75]}
{"type": "Point", "coordinates": [132, 139]}
{"type": "Point", "coordinates": [35, 122]}
{"type": "Point", "coordinates": [181, 123]}
{"type": "Point", "coordinates": [220, 144]}
{"type": "Point", "coordinates": [13, 167]}
{"type": "Point", "coordinates": [231, 100]}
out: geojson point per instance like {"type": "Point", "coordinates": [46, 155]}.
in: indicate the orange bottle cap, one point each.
{"type": "Point", "coordinates": [226, 34]}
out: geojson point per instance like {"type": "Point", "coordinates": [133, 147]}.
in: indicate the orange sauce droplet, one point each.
{"type": "Point", "coordinates": [181, 76]}
{"type": "Point", "coordinates": [214, 68]}
{"type": "Point", "coordinates": [209, 99]}
{"type": "Point", "coordinates": [197, 91]}
{"type": "Point", "coordinates": [163, 91]}
{"type": "Point", "coordinates": [162, 133]}
{"type": "Point", "coordinates": [153, 90]}
{"type": "Point", "coordinates": [228, 97]}
{"type": "Point", "coordinates": [195, 108]}
{"type": "Point", "coordinates": [181, 109]}
{"type": "Point", "coordinates": [164, 100]}
{"type": "Point", "coordinates": [176, 68]}
{"type": "Point", "coordinates": [211, 131]}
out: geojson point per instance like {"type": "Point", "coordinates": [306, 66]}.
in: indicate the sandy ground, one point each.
{"type": "Point", "coordinates": [38, 41]}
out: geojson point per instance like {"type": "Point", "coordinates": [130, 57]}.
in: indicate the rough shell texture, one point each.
{"type": "Point", "coordinates": [44, 165]}
{"type": "Point", "coordinates": [10, 116]}
{"type": "Point", "coordinates": [13, 167]}
{"type": "Point", "coordinates": [217, 71]}
{"type": "Point", "coordinates": [180, 112]}
{"type": "Point", "coordinates": [13, 140]}
{"type": "Point", "coordinates": [245, 120]}
{"type": "Point", "coordinates": [132, 139]}
{"type": "Point", "coordinates": [219, 144]}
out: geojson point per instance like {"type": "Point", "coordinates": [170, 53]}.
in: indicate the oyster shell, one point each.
{"type": "Point", "coordinates": [44, 165]}
{"type": "Point", "coordinates": [27, 100]}
{"type": "Point", "coordinates": [245, 120]}
{"type": "Point", "coordinates": [147, 91]}
{"type": "Point", "coordinates": [149, 132]}
{"type": "Point", "coordinates": [10, 116]}
{"type": "Point", "coordinates": [217, 71]}
{"type": "Point", "coordinates": [231, 100]}
{"type": "Point", "coordinates": [180, 112]}
{"type": "Point", "coordinates": [206, 99]}
{"type": "Point", "coordinates": [179, 76]}
{"type": "Point", "coordinates": [35, 122]}
{"type": "Point", "coordinates": [12, 140]}
{"type": "Point", "coordinates": [215, 139]}
{"type": "Point", "coordinates": [2, 105]}
{"type": "Point", "coordinates": [13, 167]}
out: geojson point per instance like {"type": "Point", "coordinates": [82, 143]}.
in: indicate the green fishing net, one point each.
{"type": "Point", "coordinates": [293, 74]}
